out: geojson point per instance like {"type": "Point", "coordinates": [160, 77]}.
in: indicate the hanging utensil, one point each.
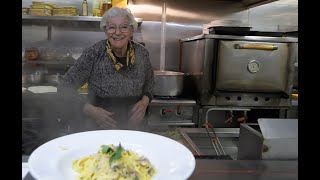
{"type": "Point", "coordinates": [214, 139]}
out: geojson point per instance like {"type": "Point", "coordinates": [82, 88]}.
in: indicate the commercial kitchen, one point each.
{"type": "Point", "coordinates": [226, 79]}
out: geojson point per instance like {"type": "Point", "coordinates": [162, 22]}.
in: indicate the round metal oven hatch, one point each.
{"type": "Point", "coordinates": [253, 66]}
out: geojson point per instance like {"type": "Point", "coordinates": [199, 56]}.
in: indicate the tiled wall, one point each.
{"type": "Point", "coordinates": [184, 19]}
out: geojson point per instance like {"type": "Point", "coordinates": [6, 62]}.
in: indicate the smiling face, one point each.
{"type": "Point", "coordinates": [119, 32]}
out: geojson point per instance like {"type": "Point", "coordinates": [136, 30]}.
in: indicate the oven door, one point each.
{"type": "Point", "coordinates": [247, 66]}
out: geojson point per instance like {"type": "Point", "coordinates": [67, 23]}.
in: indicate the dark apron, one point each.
{"type": "Point", "coordinates": [119, 106]}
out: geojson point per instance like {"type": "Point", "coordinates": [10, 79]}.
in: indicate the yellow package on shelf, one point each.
{"type": "Point", "coordinates": [65, 14]}
{"type": "Point", "coordinates": [41, 6]}
{"type": "Point", "coordinates": [25, 10]}
{"type": "Point", "coordinates": [120, 3]}
{"type": "Point", "coordinates": [41, 12]}
{"type": "Point", "coordinates": [43, 2]}
{"type": "Point", "coordinates": [65, 11]}
{"type": "Point", "coordinates": [38, 4]}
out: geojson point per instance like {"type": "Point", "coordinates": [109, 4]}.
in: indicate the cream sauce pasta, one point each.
{"type": "Point", "coordinates": [113, 163]}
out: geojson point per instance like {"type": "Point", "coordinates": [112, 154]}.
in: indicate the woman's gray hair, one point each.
{"type": "Point", "coordinates": [115, 11]}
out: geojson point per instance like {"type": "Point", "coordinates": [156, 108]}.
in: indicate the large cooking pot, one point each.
{"type": "Point", "coordinates": [53, 79]}
{"type": "Point", "coordinates": [35, 78]}
{"type": "Point", "coordinates": [168, 83]}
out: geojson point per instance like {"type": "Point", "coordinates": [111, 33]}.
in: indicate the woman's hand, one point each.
{"type": "Point", "coordinates": [101, 116]}
{"type": "Point", "coordinates": [138, 111]}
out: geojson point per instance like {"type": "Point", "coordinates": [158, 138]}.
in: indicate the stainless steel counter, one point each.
{"type": "Point", "coordinates": [237, 170]}
{"type": "Point", "coordinates": [244, 169]}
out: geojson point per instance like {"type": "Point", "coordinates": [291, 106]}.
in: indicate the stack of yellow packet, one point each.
{"type": "Point", "coordinates": [41, 8]}
{"type": "Point", "coordinates": [25, 10]}
{"type": "Point", "coordinates": [65, 11]}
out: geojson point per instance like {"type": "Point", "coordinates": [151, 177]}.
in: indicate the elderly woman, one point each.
{"type": "Point", "coordinates": [118, 72]}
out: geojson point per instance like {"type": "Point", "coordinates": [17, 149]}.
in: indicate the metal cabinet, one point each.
{"type": "Point", "coordinates": [269, 139]}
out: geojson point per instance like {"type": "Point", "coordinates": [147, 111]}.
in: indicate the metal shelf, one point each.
{"type": "Point", "coordinates": [68, 18]}
{"type": "Point", "coordinates": [48, 62]}
{"type": "Point", "coordinates": [62, 18]}
{"type": "Point", "coordinates": [77, 23]}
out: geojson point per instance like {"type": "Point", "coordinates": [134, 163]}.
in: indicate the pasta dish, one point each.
{"type": "Point", "coordinates": [113, 163]}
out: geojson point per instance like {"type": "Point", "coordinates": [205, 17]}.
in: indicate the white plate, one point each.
{"type": "Point", "coordinates": [42, 89]}
{"type": "Point", "coordinates": [53, 160]}
{"type": "Point", "coordinates": [25, 169]}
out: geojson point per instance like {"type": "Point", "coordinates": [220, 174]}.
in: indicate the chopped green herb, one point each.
{"type": "Point", "coordinates": [117, 154]}
{"type": "Point", "coordinates": [106, 149]}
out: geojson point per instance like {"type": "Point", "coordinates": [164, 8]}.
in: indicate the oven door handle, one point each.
{"type": "Point", "coordinates": [256, 46]}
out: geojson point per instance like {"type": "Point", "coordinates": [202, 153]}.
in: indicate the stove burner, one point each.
{"type": "Point", "coordinates": [227, 157]}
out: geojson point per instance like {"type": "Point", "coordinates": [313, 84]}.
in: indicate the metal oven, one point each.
{"type": "Point", "coordinates": [244, 71]}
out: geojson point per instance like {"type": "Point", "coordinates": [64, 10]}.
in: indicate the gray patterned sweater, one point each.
{"type": "Point", "coordinates": [104, 81]}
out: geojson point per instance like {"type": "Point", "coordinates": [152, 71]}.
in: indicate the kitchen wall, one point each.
{"type": "Point", "coordinates": [185, 18]}
{"type": "Point", "coordinates": [277, 16]}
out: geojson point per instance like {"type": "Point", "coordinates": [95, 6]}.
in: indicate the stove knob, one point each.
{"type": "Point", "coordinates": [178, 112]}
{"type": "Point", "coordinates": [163, 112]}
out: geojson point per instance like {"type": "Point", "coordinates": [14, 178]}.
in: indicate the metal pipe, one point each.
{"type": "Point", "coordinates": [163, 38]}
